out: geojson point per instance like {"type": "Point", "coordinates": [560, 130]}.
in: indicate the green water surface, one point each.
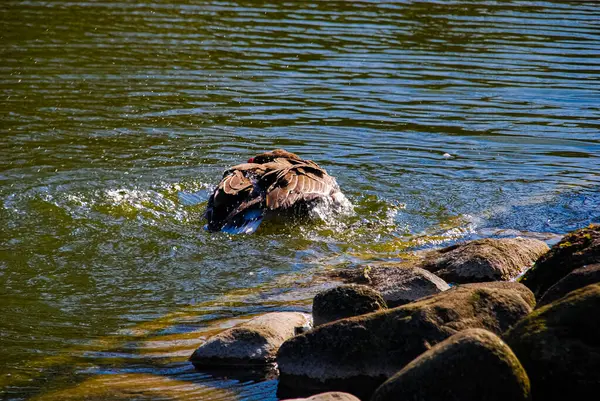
{"type": "Point", "coordinates": [118, 118]}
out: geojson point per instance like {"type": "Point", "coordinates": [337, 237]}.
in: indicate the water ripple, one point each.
{"type": "Point", "coordinates": [120, 117]}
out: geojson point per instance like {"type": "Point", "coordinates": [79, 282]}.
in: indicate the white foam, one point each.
{"type": "Point", "coordinates": [329, 209]}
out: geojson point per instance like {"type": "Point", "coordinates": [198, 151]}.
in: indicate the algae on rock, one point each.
{"type": "Point", "coordinates": [474, 364]}
{"type": "Point", "coordinates": [559, 346]}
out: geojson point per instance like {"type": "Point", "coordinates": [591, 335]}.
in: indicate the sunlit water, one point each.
{"type": "Point", "coordinates": [118, 118]}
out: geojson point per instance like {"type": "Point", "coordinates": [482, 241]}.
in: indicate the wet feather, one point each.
{"type": "Point", "coordinates": [270, 182]}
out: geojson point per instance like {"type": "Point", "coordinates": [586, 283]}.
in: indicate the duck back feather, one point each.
{"type": "Point", "coordinates": [271, 182]}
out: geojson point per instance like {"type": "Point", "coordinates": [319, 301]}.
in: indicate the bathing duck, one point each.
{"type": "Point", "coordinates": [271, 182]}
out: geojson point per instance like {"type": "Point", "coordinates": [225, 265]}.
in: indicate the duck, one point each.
{"type": "Point", "coordinates": [274, 182]}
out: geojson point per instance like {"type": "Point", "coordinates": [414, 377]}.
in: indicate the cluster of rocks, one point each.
{"type": "Point", "coordinates": [395, 333]}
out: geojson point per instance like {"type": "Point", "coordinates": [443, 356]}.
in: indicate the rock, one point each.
{"type": "Point", "coordinates": [345, 301]}
{"type": "Point", "coordinates": [524, 292]}
{"type": "Point", "coordinates": [398, 285]}
{"type": "Point", "coordinates": [471, 365]}
{"type": "Point", "coordinates": [486, 259]}
{"type": "Point", "coordinates": [578, 278]}
{"type": "Point", "coordinates": [331, 396]}
{"type": "Point", "coordinates": [559, 346]}
{"type": "Point", "coordinates": [357, 354]}
{"type": "Point", "coordinates": [576, 249]}
{"type": "Point", "coordinates": [252, 343]}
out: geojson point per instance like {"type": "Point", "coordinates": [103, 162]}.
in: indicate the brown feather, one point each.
{"type": "Point", "coordinates": [276, 180]}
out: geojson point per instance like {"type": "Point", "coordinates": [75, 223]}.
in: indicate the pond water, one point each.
{"type": "Point", "coordinates": [118, 118]}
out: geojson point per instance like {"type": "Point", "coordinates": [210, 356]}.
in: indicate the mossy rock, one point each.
{"type": "Point", "coordinates": [345, 301]}
{"type": "Point", "coordinates": [576, 249]}
{"type": "Point", "coordinates": [524, 292]}
{"type": "Point", "coordinates": [559, 346]}
{"type": "Point", "coordinates": [357, 354]}
{"type": "Point", "coordinates": [249, 344]}
{"type": "Point", "coordinates": [399, 284]}
{"type": "Point", "coordinates": [471, 365]}
{"type": "Point", "coordinates": [578, 278]}
{"type": "Point", "coordinates": [482, 260]}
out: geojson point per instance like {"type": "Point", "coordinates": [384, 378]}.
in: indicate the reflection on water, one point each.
{"type": "Point", "coordinates": [118, 118]}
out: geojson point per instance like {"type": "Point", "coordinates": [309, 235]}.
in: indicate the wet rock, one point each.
{"type": "Point", "coordinates": [345, 301]}
{"type": "Point", "coordinates": [578, 278]}
{"type": "Point", "coordinates": [331, 396]}
{"type": "Point", "coordinates": [486, 259]}
{"type": "Point", "coordinates": [524, 292]}
{"type": "Point", "coordinates": [576, 249]}
{"type": "Point", "coordinates": [559, 346]}
{"type": "Point", "coordinates": [398, 285]}
{"type": "Point", "coordinates": [357, 354]}
{"type": "Point", "coordinates": [303, 329]}
{"type": "Point", "coordinates": [252, 343]}
{"type": "Point", "coordinates": [471, 365]}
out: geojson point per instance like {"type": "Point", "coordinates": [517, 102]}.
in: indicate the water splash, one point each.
{"type": "Point", "coordinates": [330, 210]}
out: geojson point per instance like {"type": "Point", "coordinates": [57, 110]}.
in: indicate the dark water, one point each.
{"type": "Point", "coordinates": [119, 117]}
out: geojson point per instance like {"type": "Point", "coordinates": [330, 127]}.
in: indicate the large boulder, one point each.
{"type": "Point", "coordinates": [252, 343]}
{"type": "Point", "coordinates": [576, 249]}
{"type": "Point", "coordinates": [345, 301]}
{"type": "Point", "coordinates": [486, 259]}
{"type": "Point", "coordinates": [522, 291]}
{"type": "Point", "coordinates": [397, 285]}
{"type": "Point", "coordinates": [358, 354]}
{"type": "Point", "coordinates": [578, 278]}
{"type": "Point", "coordinates": [471, 365]}
{"type": "Point", "coordinates": [330, 396]}
{"type": "Point", "coordinates": [559, 346]}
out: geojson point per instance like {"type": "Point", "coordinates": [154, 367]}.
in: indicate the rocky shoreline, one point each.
{"type": "Point", "coordinates": [455, 325]}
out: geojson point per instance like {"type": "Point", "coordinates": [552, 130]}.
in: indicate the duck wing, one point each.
{"type": "Point", "coordinates": [234, 186]}
{"type": "Point", "coordinates": [233, 194]}
{"type": "Point", "coordinates": [299, 183]}
{"type": "Point", "coordinates": [248, 190]}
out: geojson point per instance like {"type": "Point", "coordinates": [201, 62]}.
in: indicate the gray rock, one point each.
{"type": "Point", "coordinates": [485, 259]}
{"type": "Point", "coordinates": [577, 249]}
{"type": "Point", "coordinates": [252, 343]}
{"type": "Point", "coordinates": [331, 396]}
{"type": "Point", "coordinates": [345, 301]}
{"type": "Point", "coordinates": [471, 365]}
{"type": "Point", "coordinates": [397, 285]}
{"type": "Point", "coordinates": [559, 346]}
{"type": "Point", "coordinates": [357, 354]}
{"type": "Point", "coordinates": [578, 278]}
